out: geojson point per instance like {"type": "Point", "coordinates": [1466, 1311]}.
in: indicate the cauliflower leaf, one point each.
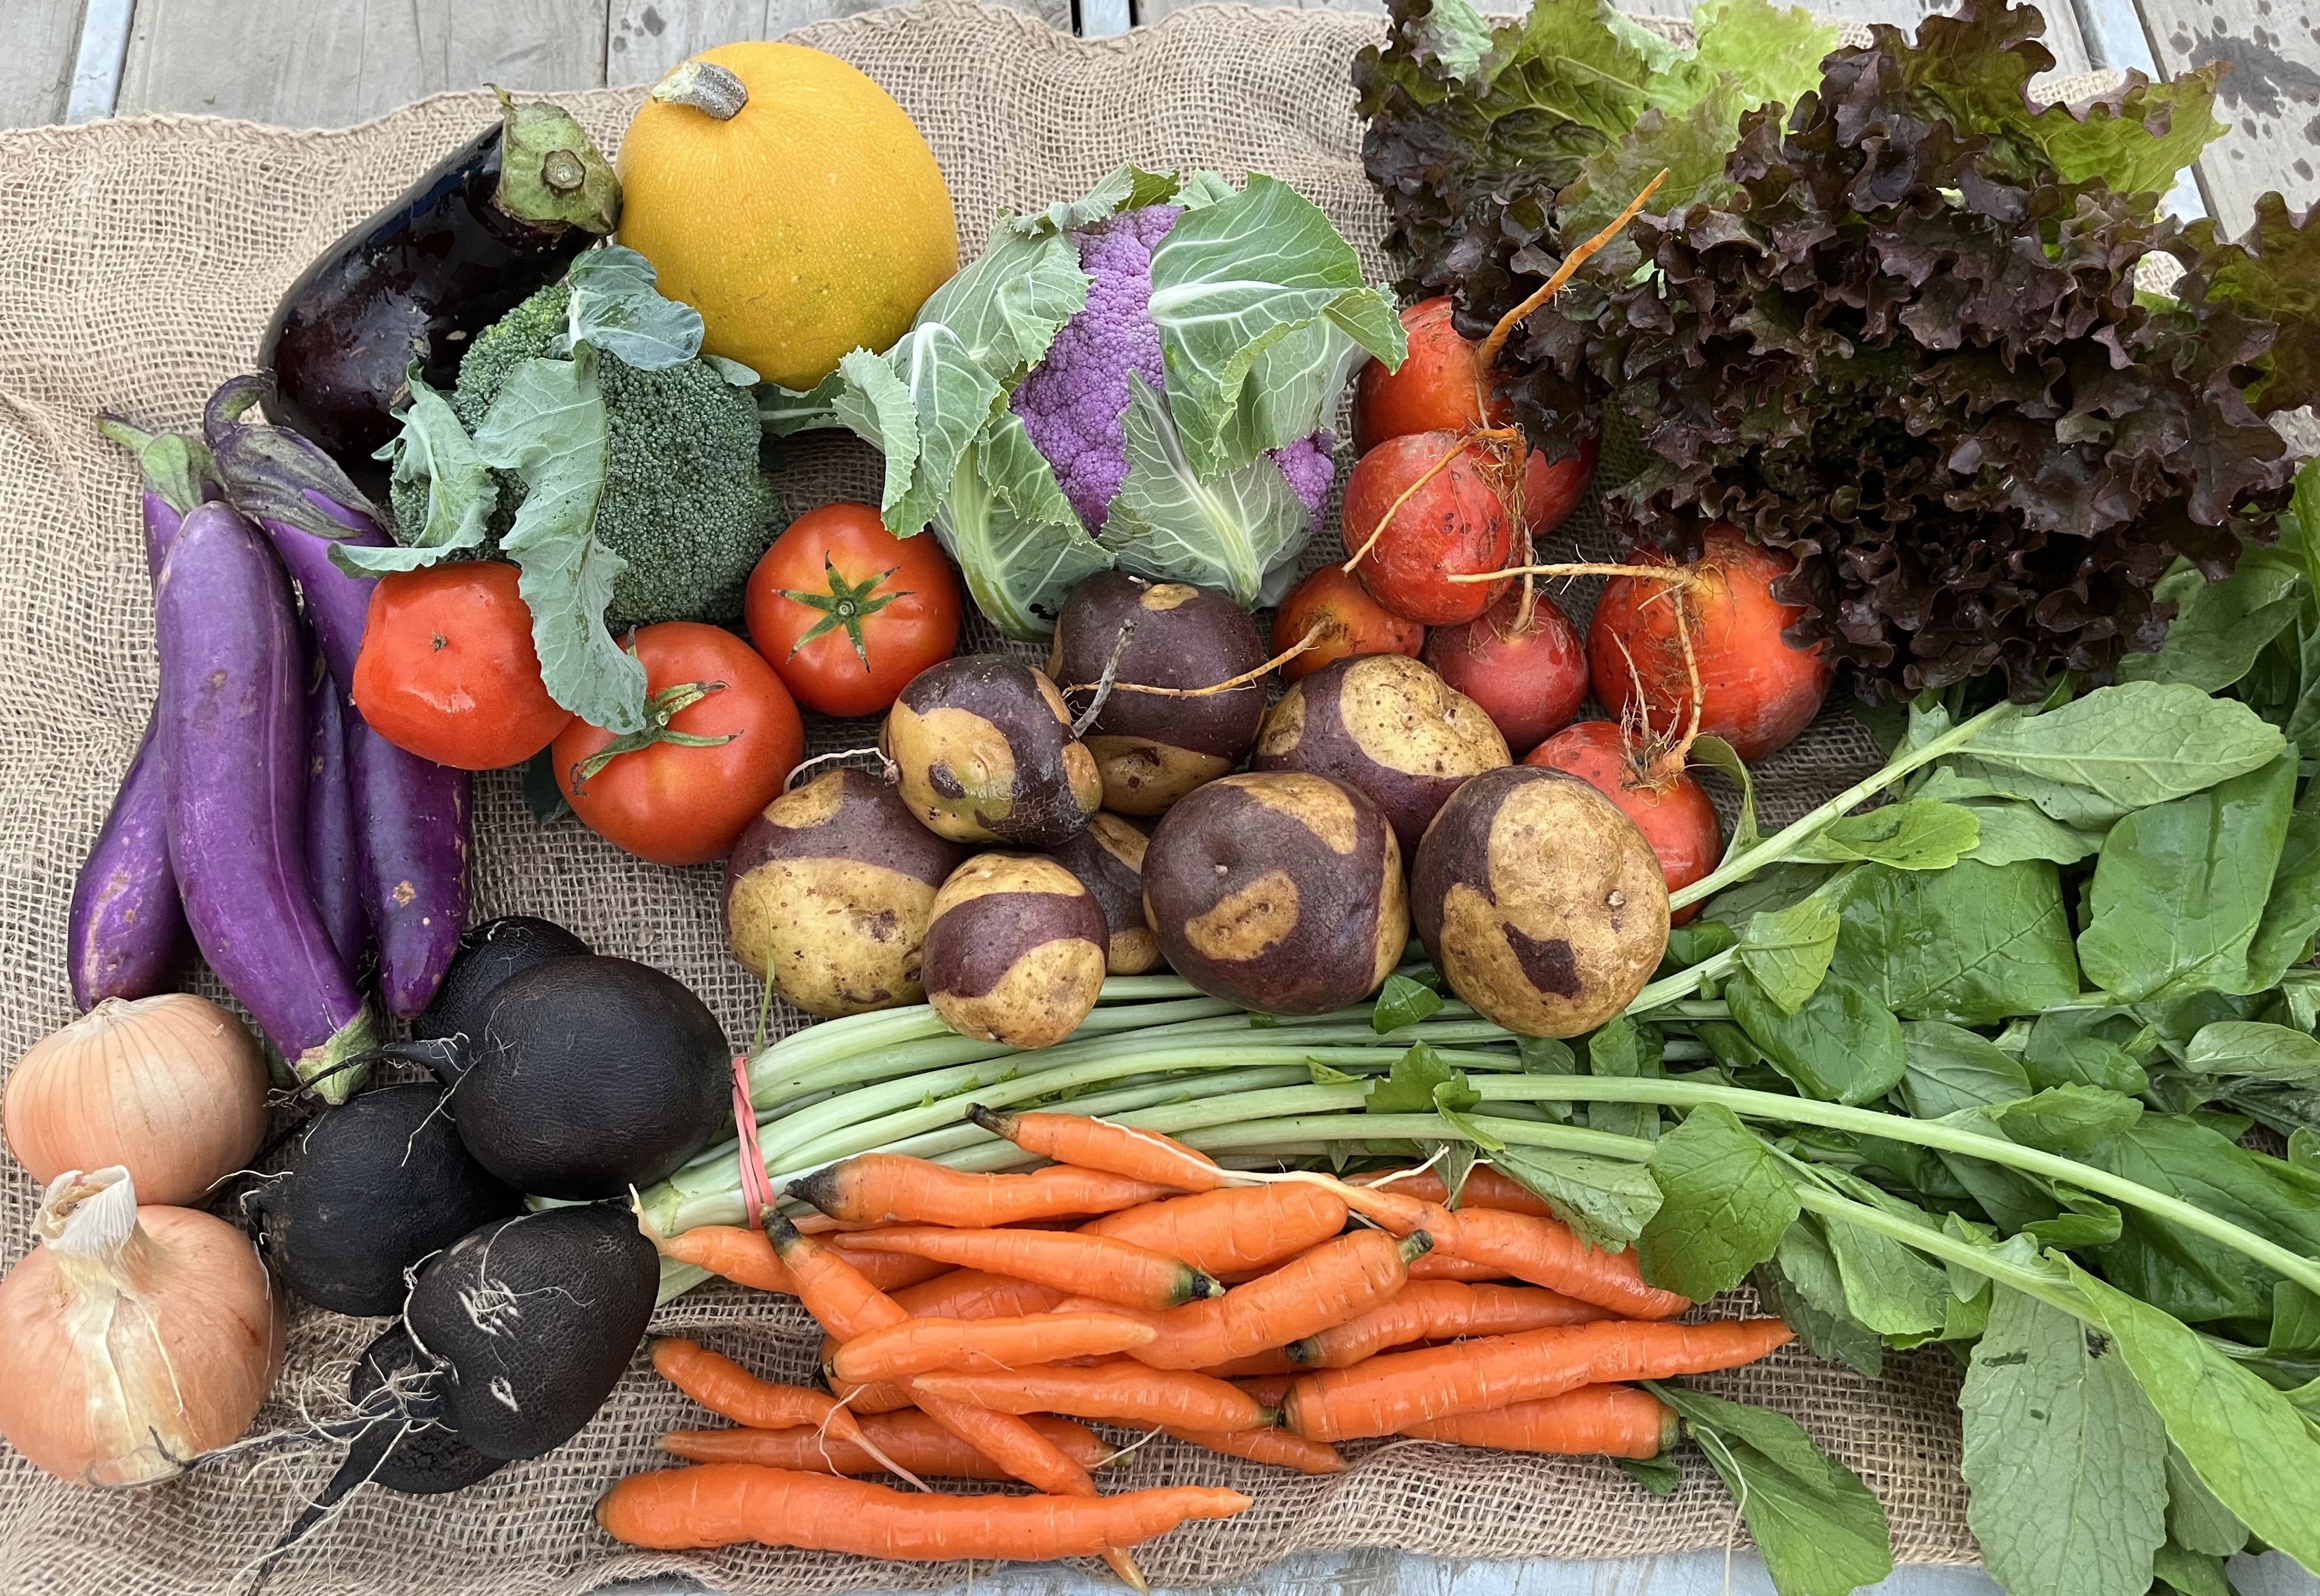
{"type": "Point", "coordinates": [1012, 533]}
{"type": "Point", "coordinates": [1174, 522]}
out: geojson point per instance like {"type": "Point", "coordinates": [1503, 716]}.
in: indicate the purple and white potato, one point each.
{"type": "Point", "coordinates": [1108, 857]}
{"type": "Point", "coordinates": [986, 751]}
{"type": "Point", "coordinates": [1015, 952]}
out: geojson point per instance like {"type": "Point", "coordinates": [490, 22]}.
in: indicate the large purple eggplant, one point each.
{"type": "Point", "coordinates": [412, 812]}
{"type": "Point", "coordinates": [495, 221]}
{"type": "Point", "coordinates": [333, 849]}
{"type": "Point", "coordinates": [126, 936]}
{"type": "Point", "coordinates": [232, 735]}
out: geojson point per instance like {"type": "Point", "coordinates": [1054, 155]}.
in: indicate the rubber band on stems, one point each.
{"type": "Point", "coordinates": [757, 1187]}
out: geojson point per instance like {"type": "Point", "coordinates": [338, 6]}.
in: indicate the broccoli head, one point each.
{"type": "Point", "coordinates": [684, 503]}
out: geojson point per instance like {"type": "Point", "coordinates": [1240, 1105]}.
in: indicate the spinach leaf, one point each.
{"type": "Point", "coordinates": [1720, 755]}
{"type": "Point", "coordinates": [1842, 1046]}
{"type": "Point", "coordinates": [2221, 626]}
{"type": "Point", "coordinates": [1413, 1083]}
{"type": "Point", "coordinates": [1605, 1201]}
{"type": "Point", "coordinates": [2181, 889]}
{"type": "Point", "coordinates": [2085, 1047]}
{"type": "Point", "coordinates": [2189, 1573]}
{"type": "Point", "coordinates": [1799, 1284]}
{"type": "Point", "coordinates": [1623, 1047]}
{"type": "Point", "coordinates": [1691, 944]}
{"type": "Point", "coordinates": [1947, 1068]}
{"type": "Point", "coordinates": [1822, 1530]}
{"type": "Point", "coordinates": [2245, 1442]}
{"type": "Point", "coordinates": [1919, 833]}
{"type": "Point", "coordinates": [1971, 944]}
{"type": "Point", "coordinates": [2292, 914]}
{"type": "Point", "coordinates": [2064, 1457]}
{"type": "Point", "coordinates": [1726, 1204]}
{"type": "Point", "coordinates": [2009, 831]}
{"type": "Point", "coordinates": [2196, 1520]}
{"type": "Point", "coordinates": [1662, 1476]}
{"type": "Point", "coordinates": [1891, 1288]}
{"type": "Point", "coordinates": [2121, 748]}
{"type": "Point", "coordinates": [1775, 887]}
{"type": "Point", "coordinates": [1787, 950]}
{"type": "Point", "coordinates": [2254, 1050]}
{"type": "Point", "coordinates": [2067, 1120]}
{"type": "Point", "coordinates": [1403, 1002]}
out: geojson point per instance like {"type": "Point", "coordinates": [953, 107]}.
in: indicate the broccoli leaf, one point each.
{"type": "Point", "coordinates": [1233, 277]}
{"type": "Point", "coordinates": [434, 451]}
{"type": "Point", "coordinates": [1170, 522]}
{"type": "Point", "coordinates": [784, 411]}
{"type": "Point", "coordinates": [921, 402]}
{"type": "Point", "coordinates": [549, 426]}
{"type": "Point", "coordinates": [1012, 533]}
{"type": "Point", "coordinates": [615, 308]}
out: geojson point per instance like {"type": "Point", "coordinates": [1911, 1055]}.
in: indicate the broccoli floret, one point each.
{"type": "Point", "coordinates": [684, 501]}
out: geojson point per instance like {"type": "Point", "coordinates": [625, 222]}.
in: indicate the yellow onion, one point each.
{"type": "Point", "coordinates": [133, 1340]}
{"type": "Point", "coordinates": [172, 1088]}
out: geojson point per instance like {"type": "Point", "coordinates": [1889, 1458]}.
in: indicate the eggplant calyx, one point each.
{"type": "Point", "coordinates": [335, 1069]}
{"type": "Point", "coordinates": [271, 474]}
{"type": "Point", "coordinates": [551, 175]}
{"type": "Point", "coordinates": [664, 707]}
{"type": "Point", "coordinates": [177, 469]}
{"type": "Point", "coordinates": [706, 86]}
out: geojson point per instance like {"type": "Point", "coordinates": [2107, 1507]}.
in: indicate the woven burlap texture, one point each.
{"type": "Point", "coordinates": [138, 261]}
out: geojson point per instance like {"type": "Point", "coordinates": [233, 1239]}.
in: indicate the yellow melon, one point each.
{"type": "Point", "coordinates": [806, 221]}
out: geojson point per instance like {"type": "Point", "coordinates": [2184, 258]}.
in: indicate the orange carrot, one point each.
{"type": "Point", "coordinates": [1441, 1311]}
{"type": "Point", "coordinates": [1273, 1360]}
{"type": "Point", "coordinates": [984, 1345]}
{"type": "Point", "coordinates": [1545, 1252]}
{"type": "Point", "coordinates": [1231, 1232]}
{"type": "Point", "coordinates": [1075, 1138]}
{"type": "Point", "coordinates": [888, 1188]}
{"type": "Point", "coordinates": [1119, 1389]}
{"type": "Point", "coordinates": [1393, 1391]}
{"type": "Point", "coordinates": [1441, 1265]}
{"type": "Point", "coordinates": [718, 1504]}
{"type": "Point", "coordinates": [1615, 1421]}
{"type": "Point", "coordinates": [910, 1438]}
{"type": "Point", "coordinates": [1332, 1282]}
{"type": "Point", "coordinates": [1269, 1390]}
{"type": "Point", "coordinates": [879, 1396]}
{"type": "Point", "coordinates": [746, 1257]}
{"type": "Point", "coordinates": [1276, 1446]}
{"type": "Point", "coordinates": [730, 1391]}
{"type": "Point", "coordinates": [1093, 1266]}
{"type": "Point", "coordinates": [975, 1294]}
{"type": "Point", "coordinates": [1485, 1188]}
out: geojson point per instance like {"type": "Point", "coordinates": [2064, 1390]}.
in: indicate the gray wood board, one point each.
{"type": "Point", "coordinates": [38, 41]}
{"type": "Point", "coordinates": [328, 63]}
{"type": "Point", "coordinates": [643, 39]}
{"type": "Point", "coordinates": [2270, 97]}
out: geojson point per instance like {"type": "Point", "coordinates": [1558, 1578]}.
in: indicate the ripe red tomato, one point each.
{"type": "Point", "coordinates": [669, 802]}
{"type": "Point", "coordinates": [1673, 811]}
{"type": "Point", "coordinates": [1355, 622]}
{"type": "Point", "coordinates": [1530, 682]}
{"type": "Point", "coordinates": [847, 613]}
{"type": "Point", "coordinates": [448, 671]}
{"type": "Point", "coordinates": [1757, 691]}
{"type": "Point", "coordinates": [1453, 525]}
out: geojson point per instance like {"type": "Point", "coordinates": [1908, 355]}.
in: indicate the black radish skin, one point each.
{"type": "Point", "coordinates": [495, 221]}
{"type": "Point", "coordinates": [488, 954]}
{"type": "Point", "coordinates": [590, 1076]}
{"type": "Point", "coordinates": [398, 1437]}
{"type": "Point", "coordinates": [533, 1319]}
{"type": "Point", "coordinates": [373, 1187]}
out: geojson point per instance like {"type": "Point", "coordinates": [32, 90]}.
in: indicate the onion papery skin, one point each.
{"type": "Point", "coordinates": [134, 1340]}
{"type": "Point", "coordinates": [170, 1088]}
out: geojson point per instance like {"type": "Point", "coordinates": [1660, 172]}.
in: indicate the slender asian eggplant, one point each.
{"type": "Point", "coordinates": [333, 845]}
{"type": "Point", "coordinates": [495, 223]}
{"type": "Point", "coordinates": [126, 936]}
{"type": "Point", "coordinates": [412, 812]}
{"type": "Point", "coordinates": [232, 735]}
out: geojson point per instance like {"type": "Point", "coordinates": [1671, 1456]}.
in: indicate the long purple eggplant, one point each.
{"type": "Point", "coordinates": [126, 936]}
{"type": "Point", "coordinates": [232, 735]}
{"type": "Point", "coordinates": [333, 854]}
{"type": "Point", "coordinates": [412, 812]}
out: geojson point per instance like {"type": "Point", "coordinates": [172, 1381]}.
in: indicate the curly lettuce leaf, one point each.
{"type": "Point", "coordinates": [615, 308]}
{"type": "Point", "coordinates": [1234, 278]}
{"type": "Point", "coordinates": [434, 454]}
{"type": "Point", "coordinates": [1012, 533]}
{"type": "Point", "coordinates": [1172, 521]}
{"type": "Point", "coordinates": [549, 426]}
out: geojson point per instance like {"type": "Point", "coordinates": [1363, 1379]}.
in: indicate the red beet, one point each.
{"type": "Point", "coordinates": [1669, 807]}
{"type": "Point", "coordinates": [1530, 683]}
{"type": "Point", "coordinates": [1454, 524]}
{"type": "Point", "coordinates": [1358, 624]}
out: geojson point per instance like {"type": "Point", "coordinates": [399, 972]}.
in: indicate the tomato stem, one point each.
{"type": "Point", "coordinates": [662, 708]}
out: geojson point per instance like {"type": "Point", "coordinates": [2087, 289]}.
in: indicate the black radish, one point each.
{"type": "Point", "coordinates": [488, 954]}
{"type": "Point", "coordinates": [373, 1187]}
{"type": "Point", "coordinates": [532, 1320]}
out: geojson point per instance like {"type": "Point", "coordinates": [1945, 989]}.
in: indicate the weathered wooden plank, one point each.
{"type": "Point", "coordinates": [643, 39]}
{"type": "Point", "coordinates": [328, 63]}
{"type": "Point", "coordinates": [2270, 97]}
{"type": "Point", "coordinates": [36, 61]}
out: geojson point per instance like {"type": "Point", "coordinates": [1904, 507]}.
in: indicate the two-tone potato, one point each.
{"type": "Point", "coordinates": [829, 891]}
{"type": "Point", "coordinates": [1153, 748]}
{"type": "Point", "coordinates": [1108, 857]}
{"type": "Point", "coordinates": [1539, 901]}
{"type": "Point", "coordinates": [1388, 727]}
{"type": "Point", "coordinates": [1279, 892]}
{"type": "Point", "coordinates": [1015, 952]}
{"type": "Point", "coordinates": [985, 753]}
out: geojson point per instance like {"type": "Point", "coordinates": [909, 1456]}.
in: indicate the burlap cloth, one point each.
{"type": "Point", "coordinates": [138, 261]}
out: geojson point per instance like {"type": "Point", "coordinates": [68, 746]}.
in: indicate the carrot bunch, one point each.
{"type": "Point", "coordinates": [1095, 1289]}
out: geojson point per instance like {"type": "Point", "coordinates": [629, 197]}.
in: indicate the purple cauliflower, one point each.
{"type": "Point", "coordinates": [1072, 401]}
